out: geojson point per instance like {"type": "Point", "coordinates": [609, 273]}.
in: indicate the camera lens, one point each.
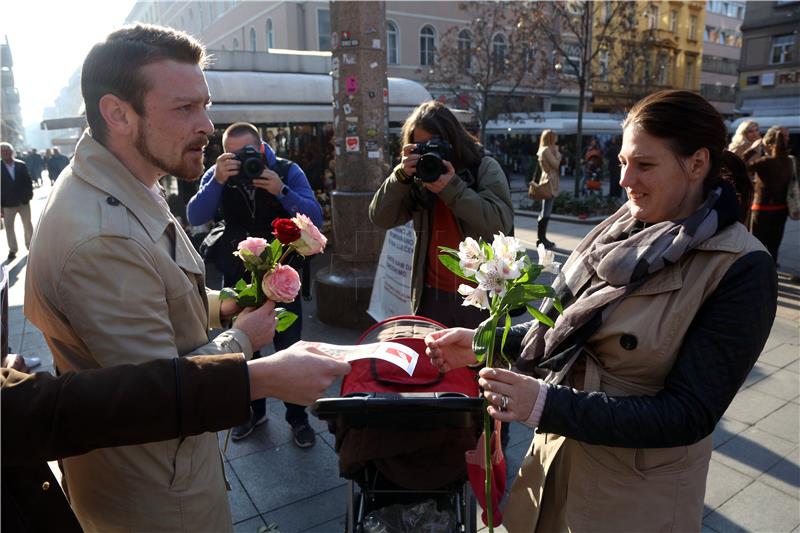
{"type": "Point", "coordinates": [252, 167]}
{"type": "Point", "coordinates": [430, 167]}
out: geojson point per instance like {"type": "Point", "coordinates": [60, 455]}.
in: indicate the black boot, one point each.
{"type": "Point", "coordinates": [541, 232]}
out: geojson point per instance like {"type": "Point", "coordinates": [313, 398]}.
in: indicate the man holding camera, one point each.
{"type": "Point", "coordinates": [252, 187]}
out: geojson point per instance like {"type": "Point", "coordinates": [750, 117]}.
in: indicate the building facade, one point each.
{"type": "Point", "coordinates": [12, 129]}
{"type": "Point", "coordinates": [660, 48]}
{"type": "Point", "coordinates": [722, 49]}
{"type": "Point", "coordinates": [769, 72]}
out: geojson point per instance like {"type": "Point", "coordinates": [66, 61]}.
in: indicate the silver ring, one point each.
{"type": "Point", "coordinates": [503, 402]}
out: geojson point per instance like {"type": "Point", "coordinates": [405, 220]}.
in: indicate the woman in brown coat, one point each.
{"type": "Point", "coordinates": [667, 305]}
{"type": "Point", "coordinates": [773, 172]}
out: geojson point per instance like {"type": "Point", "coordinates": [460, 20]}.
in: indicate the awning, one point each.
{"type": "Point", "coordinates": [562, 123]}
{"type": "Point", "coordinates": [63, 123]}
{"type": "Point", "coordinates": [286, 113]}
{"type": "Point", "coordinates": [791, 121]}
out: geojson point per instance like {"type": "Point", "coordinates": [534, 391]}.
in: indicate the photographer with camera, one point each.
{"type": "Point", "coordinates": [252, 187]}
{"type": "Point", "coordinates": [451, 190]}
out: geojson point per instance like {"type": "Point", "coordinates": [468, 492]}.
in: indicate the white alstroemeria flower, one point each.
{"type": "Point", "coordinates": [492, 276]}
{"type": "Point", "coordinates": [474, 296]}
{"type": "Point", "coordinates": [546, 259]}
{"type": "Point", "coordinates": [470, 256]}
{"type": "Point", "coordinates": [506, 248]}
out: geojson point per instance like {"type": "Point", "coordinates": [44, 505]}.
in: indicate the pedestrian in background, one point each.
{"type": "Point", "coordinates": [772, 174]}
{"type": "Point", "coordinates": [35, 165]}
{"type": "Point", "coordinates": [55, 164]}
{"type": "Point", "coordinates": [746, 134]}
{"type": "Point", "coordinates": [15, 196]}
{"type": "Point", "coordinates": [549, 161]}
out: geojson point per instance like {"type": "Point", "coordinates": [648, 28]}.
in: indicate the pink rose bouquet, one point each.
{"type": "Point", "coordinates": [269, 277]}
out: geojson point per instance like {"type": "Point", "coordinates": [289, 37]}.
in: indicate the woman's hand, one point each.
{"type": "Point", "coordinates": [520, 393]}
{"type": "Point", "coordinates": [409, 160]}
{"type": "Point", "coordinates": [450, 348]}
{"type": "Point", "coordinates": [437, 186]}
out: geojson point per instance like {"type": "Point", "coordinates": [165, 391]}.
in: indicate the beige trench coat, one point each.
{"type": "Point", "coordinates": [112, 279]}
{"type": "Point", "coordinates": [564, 484]}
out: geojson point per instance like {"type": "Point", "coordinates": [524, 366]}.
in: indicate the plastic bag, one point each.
{"type": "Point", "coordinates": [421, 517]}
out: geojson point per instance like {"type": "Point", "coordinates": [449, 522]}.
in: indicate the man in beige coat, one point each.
{"type": "Point", "coordinates": [113, 279]}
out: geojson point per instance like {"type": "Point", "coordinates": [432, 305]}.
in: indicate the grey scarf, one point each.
{"type": "Point", "coordinates": [611, 262]}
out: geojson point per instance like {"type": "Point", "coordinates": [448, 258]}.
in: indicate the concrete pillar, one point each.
{"type": "Point", "coordinates": [360, 98]}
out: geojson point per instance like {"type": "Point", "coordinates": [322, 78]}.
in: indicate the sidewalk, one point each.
{"type": "Point", "coordinates": [754, 477]}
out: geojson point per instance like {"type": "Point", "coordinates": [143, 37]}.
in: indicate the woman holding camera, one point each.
{"type": "Point", "coordinates": [451, 190]}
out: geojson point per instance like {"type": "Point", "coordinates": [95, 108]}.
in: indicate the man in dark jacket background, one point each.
{"type": "Point", "coordinates": [15, 196]}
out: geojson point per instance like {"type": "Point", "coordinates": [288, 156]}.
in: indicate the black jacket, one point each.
{"type": "Point", "coordinates": [45, 418]}
{"type": "Point", "coordinates": [18, 191]}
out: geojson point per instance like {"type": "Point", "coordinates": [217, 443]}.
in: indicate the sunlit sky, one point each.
{"type": "Point", "coordinates": [49, 40]}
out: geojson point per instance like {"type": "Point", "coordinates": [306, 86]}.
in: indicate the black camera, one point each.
{"type": "Point", "coordinates": [430, 165]}
{"type": "Point", "coordinates": [252, 165]}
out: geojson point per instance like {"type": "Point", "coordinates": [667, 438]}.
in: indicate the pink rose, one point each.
{"type": "Point", "coordinates": [282, 284]}
{"type": "Point", "coordinates": [311, 241]}
{"type": "Point", "coordinates": [251, 249]}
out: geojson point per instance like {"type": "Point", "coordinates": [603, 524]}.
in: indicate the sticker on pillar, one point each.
{"type": "Point", "coordinates": [369, 30]}
{"type": "Point", "coordinates": [371, 94]}
{"type": "Point", "coordinates": [374, 64]}
{"type": "Point", "coordinates": [352, 129]}
{"type": "Point", "coordinates": [335, 86]}
{"type": "Point", "coordinates": [351, 119]}
{"type": "Point", "coordinates": [345, 35]}
{"type": "Point", "coordinates": [334, 40]}
{"type": "Point", "coordinates": [337, 150]}
{"type": "Point", "coordinates": [385, 95]}
{"type": "Point", "coordinates": [349, 59]}
{"type": "Point", "coordinates": [351, 85]}
{"type": "Point", "coordinates": [375, 154]}
{"type": "Point", "coordinates": [335, 121]}
{"type": "Point", "coordinates": [350, 43]}
{"type": "Point", "coordinates": [335, 67]}
{"type": "Point", "coordinates": [347, 108]}
{"type": "Point", "coordinates": [353, 144]}
{"type": "Point", "coordinates": [376, 43]}
{"type": "Point", "coordinates": [372, 132]}
{"type": "Point", "coordinates": [371, 146]}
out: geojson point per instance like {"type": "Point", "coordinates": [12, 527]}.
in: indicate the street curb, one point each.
{"type": "Point", "coordinates": [562, 218]}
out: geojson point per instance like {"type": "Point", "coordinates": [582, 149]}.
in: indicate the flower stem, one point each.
{"type": "Point", "coordinates": [487, 427]}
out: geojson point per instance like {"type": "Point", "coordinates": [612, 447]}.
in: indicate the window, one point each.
{"type": "Point", "coordinates": [693, 27]}
{"type": "Point", "coordinates": [391, 43]}
{"type": "Point", "coordinates": [235, 43]}
{"type": "Point", "coordinates": [252, 39]}
{"type": "Point", "coordinates": [464, 51]}
{"type": "Point", "coordinates": [652, 18]}
{"type": "Point", "coordinates": [662, 69]}
{"type": "Point", "coordinates": [673, 21]}
{"type": "Point", "coordinates": [690, 74]}
{"type": "Point", "coordinates": [499, 51]}
{"type": "Point", "coordinates": [427, 45]}
{"type": "Point", "coordinates": [782, 46]}
{"type": "Point", "coordinates": [324, 29]}
{"type": "Point", "coordinates": [603, 61]}
{"type": "Point", "coordinates": [573, 64]}
{"type": "Point", "coordinates": [270, 35]}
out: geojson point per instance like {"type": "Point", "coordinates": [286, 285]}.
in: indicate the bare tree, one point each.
{"type": "Point", "coordinates": [492, 64]}
{"type": "Point", "coordinates": [579, 31]}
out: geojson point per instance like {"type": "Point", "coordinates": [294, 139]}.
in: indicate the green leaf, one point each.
{"type": "Point", "coordinates": [487, 249]}
{"type": "Point", "coordinates": [240, 285]}
{"type": "Point", "coordinates": [447, 250]}
{"type": "Point", "coordinates": [541, 317]}
{"type": "Point", "coordinates": [227, 293]}
{"type": "Point", "coordinates": [285, 319]}
{"type": "Point", "coordinates": [452, 264]}
{"type": "Point", "coordinates": [484, 335]}
{"type": "Point", "coordinates": [275, 251]}
{"type": "Point", "coordinates": [558, 306]}
{"type": "Point", "coordinates": [522, 294]}
{"type": "Point", "coordinates": [503, 340]}
{"type": "Point", "coordinates": [248, 296]}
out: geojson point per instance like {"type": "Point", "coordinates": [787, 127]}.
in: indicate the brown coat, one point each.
{"type": "Point", "coordinates": [567, 484]}
{"type": "Point", "coordinates": [45, 418]}
{"type": "Point", "coordinates": [113, 279]}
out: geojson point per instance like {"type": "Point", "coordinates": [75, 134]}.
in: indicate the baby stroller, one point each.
{"type": "Point", "coordinates": [401, 439]}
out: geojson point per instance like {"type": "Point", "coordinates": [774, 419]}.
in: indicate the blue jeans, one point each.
{"type": "Point", "coordinates": [547, 208]}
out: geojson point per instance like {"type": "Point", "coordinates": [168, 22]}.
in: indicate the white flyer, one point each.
{"type": "Point", "coordinates": [393, 352]}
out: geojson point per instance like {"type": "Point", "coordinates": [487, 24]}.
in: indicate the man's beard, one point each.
{"type": "Point", "coordinates": [182, 171]}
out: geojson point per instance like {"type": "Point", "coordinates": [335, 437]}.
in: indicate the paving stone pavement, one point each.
{"type": "Point", "coordinates": [754, 476]}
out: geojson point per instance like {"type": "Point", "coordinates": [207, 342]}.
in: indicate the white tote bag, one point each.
{"type": "Point", "coordinates": [391, 291]}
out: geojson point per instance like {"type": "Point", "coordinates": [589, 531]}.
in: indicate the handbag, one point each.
{"type": "Point", "coordinates": [541, 190]}
{"type": "Point", "coordinates": [476, 470]}
{"type": "Point", "coordinates": [793, 193]}
{"type": "Point", "coordinates": [211, 243]}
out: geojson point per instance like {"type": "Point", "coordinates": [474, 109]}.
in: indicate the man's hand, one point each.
{"type": "Point", "coordinates": [258, 324]}
{"type": "Point", "coordinates": [436, 186]}
{"type": "Point", "coordinates": [269, 181]}
{"type": "Point", "coordinates": [227, 166]}
{"type": "Point", "coordinates": [450, 348]}
{"type": "Point", "coordinates": [300, 374]}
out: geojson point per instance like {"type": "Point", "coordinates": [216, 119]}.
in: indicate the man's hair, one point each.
{"type": "Point", "coordinates": [238, 129]}
{"type": "Point", "coordinates": [114, 67]}
{"type": "Point", "coordinates": [7, 145]}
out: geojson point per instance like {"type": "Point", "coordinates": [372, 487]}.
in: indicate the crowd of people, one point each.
{"type": "Point", "coordinates": [623, 412]}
